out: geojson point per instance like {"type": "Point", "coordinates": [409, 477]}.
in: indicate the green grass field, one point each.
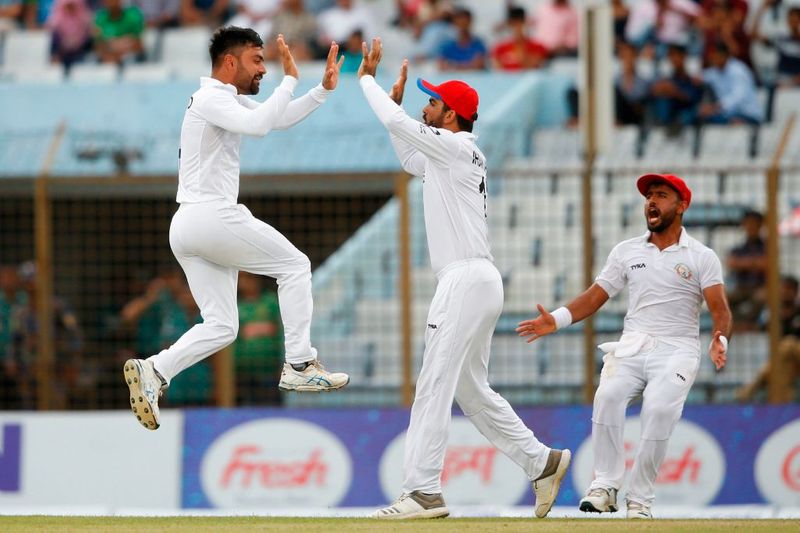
{"type": "Point", "coordinates": [449, 525]}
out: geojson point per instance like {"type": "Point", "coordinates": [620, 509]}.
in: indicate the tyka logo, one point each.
{"type": "Point", "coordinates": [638, 266]}
{"type": "Point", "coordinates": [10, 457]}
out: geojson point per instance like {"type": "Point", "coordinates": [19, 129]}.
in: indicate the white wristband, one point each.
{"type": "Point", "coordinates": [562, 317]}
{"type": "Point", "coordinates": [723, 340]}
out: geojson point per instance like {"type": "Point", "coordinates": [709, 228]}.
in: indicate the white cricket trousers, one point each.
{"type": "Point", "coordinates": [461, 320]}
{"type": "Point", "coordinates": [663, 375]}
{"type": "Point", "coordinates": [213, 241]}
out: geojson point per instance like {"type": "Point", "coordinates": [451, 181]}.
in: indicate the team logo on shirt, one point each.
{"type": "Point", "coordinates": [683, 271]}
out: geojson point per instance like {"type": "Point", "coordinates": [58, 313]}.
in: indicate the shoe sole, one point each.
{"type": "Point", "coordinates": [439, 512]}
{"type": "Point", "coordinates": [140, 406]}
{"type": "Point", "coordinates": [561, 471]}
{"type": "Point", "coordinates": [588, 507]}
{"type": "Point", "coordinates": [311, 388]}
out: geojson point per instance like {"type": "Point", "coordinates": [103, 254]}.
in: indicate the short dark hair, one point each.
{"type": "Point", "coordinates": [516, 13]}
{"type": "Point", "coordinates": [227, 38]}
{"type": "Point", "coordinates": [791, 281]}
{"type": "Point", "coordinates": [752, 213]}
{"type": "Point", "coordinates": [463, 124]}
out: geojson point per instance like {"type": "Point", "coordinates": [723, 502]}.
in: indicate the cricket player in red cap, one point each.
{"type": "Point", "coordinates": [468, 298]}
{"type": "Point", "coordinates": [668, 274]}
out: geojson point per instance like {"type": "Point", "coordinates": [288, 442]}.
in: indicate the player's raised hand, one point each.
{"type": "Point", "coordinates": [540, 326]}
{"type": "Point", "coordinates": [399, 86]}
{"type": "Point", "coordinates": [371, 58]}
{"type": "Point", "coordinates": [331, 77]}
{"type": "Point", "coordinates": [718, 350]}
{"type": "Point", "coordinates": [289, 67]}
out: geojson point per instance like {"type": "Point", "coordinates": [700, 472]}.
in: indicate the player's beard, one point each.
{"type": "Point", "coordinates": [247, 83]}
{"type": "Point", "coordinates": [665, 220]}
{"type": "Point", "coordinates": [433, 123]}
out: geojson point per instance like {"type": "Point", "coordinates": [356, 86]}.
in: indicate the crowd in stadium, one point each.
{"type": "Point", "coordinates": [532, 35]}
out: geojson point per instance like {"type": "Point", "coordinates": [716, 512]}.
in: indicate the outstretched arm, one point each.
{"type": "Point", "coordinates": [723, 323]}
{"type": "Point", "coordinates": [438, 145]}
{"type": "Point", "coordinates": [228, 113]}
{"type": "Point", "coordinates": [413, 160]}
{"type": "Point", "coordinates": [299, 109]}
{"type": "Point", "coordinates": [581, 307]}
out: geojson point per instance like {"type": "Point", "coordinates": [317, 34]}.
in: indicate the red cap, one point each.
{"type": "Point", "coordinates": [683, 190]}
{"type": "Point", "coordinates": [458, 96]}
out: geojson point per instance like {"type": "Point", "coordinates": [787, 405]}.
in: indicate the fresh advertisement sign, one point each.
{"type": "Point", "coordinates": [353, 457]}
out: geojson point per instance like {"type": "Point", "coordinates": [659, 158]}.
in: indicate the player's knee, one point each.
{"type": "Point", "coordinates": [608, 395]}
{"type": "Point", "coordinates": [228, 333]}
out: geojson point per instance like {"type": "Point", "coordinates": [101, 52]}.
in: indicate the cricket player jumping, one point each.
{"type": "Point", "coordinates": [213, 237]}
{"type": "Point", "coordinates": [468, 298]}
{"type": "Point", "coordinates": [668, 274]}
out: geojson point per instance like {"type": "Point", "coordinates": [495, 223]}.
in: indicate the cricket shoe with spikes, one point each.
{"type": "Point", "coordinates": [145, 385]}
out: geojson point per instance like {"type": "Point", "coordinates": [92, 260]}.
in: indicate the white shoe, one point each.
{"type": "Point", "coordinates": [145, 386]}
{"type": "Point", "coordinates": [638, 510]}
{"type": "Point", "coordinates": [313, 379]}
{"type": "Point", "coordinates": [546, 488]}
{"type": "Point", "coordinates": [600, 500]}
{"type": "Point", "coordinates": [414, 505]}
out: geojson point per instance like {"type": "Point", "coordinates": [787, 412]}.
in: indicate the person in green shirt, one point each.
{"type": "Point", "coordinates": [162, 314]}
{"type": "Point", "coordinates": [118, 33]}
{"type": "Point", "coordinates": [258, 350]}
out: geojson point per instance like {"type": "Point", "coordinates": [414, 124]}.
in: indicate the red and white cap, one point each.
{"type": "Point", "coordinates": [683, 190]}
{"type": "Point", "coordinates": [458, 96]}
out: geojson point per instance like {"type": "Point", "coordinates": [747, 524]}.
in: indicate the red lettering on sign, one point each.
{"type": "Point", "coordinates": [677, 470]}
{"type": "Point", "coordinates": [791, 469]}
{"type": "Point", "coordinates": [273, 474]}
{"type": "Point", "coordinates": [686, 467]}
{"type": "Point", "coordinates": [460, 459]}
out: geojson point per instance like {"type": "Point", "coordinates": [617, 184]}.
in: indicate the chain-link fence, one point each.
{"type": "Point", "coordinates": [118, 292]}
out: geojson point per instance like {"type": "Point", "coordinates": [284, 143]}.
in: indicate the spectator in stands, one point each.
{"type": "Point", "coordinates": [73, 379]}
{"type": "Point", "coordinates": [258, 350]}
{"type": "Point", "coordinates": [654, 24]}
{"type": "Point", "coordinates": [159, 13]}
{"type": "Point", "coordinates": [71, 24]}
{"type": "Point", "coordinates": [787, 385]}
{"type": "Point", "coordinates": [557, 27]}
{"type": "Point", "coordinates": [118, 33]}
{"type": "Point", "coordinates": [11, 296]}
{"type": "Point", "coordinates": [722, 21]}
{"type": "Point", "coordinates": [433, 28]}
{"type": "Point", "coordinates": [340, 21]}
{"type": "Point", "coordinates": [631, 90]}
{"type": "Point", "coordinates": [255, 14]}
{"type": "Point", "coordinates": [210, 13]}
{"type": "Point", "coordinates": [620, 12]}
{"type": "Point", "coordinates": [747, 264]}
{"type": "Point", "coordinates": [519, 51]}
{"type": "Point", "coordinates": [299, 29]}
{"type": "Point", "coordinates": [161, 315]}
{"type": "Point", "coordinates": [11, 12]}
{"type": "Point", "coordinates": [734, 90]}
{"type": "Point", "coordinates": [36, 13]}
{"type": "Point", "coordinates": [787, 46]}
{"type": "Point", "coordinates": [466, 51]}
{"type": "Point", "coordinates": [351, 50]}
{"type": "Point", "coordinates": [676, 98]}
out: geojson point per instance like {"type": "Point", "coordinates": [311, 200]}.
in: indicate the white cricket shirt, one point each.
{"type": "Point", "coordinates": [212, 130]}
{"type": "Point", "coordinates": [665, 286]}
{"type": "Point", "coordinates": [453, 171]}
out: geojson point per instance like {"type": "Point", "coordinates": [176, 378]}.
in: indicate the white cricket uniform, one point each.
{"type": "Point", "coordinates": [213, 237]}
{"type": "Point", "coordinates": [466, 305]}
{"type": "Point", "coordinates": [657, 356]}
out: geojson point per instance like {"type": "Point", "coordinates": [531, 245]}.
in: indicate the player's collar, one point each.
{"type": "Point", "coordinates": [683, 240]}
{"type": "Point", "coordinates": [206, 81]}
